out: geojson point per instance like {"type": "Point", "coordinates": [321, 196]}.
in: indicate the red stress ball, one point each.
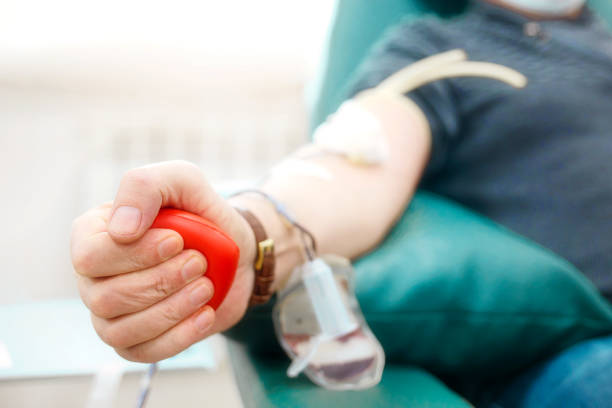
{"type": "Point", "coordinates": [221, 252]}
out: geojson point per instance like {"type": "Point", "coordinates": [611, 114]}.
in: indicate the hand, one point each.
{"type": "Point", "coordinates": [146, 294]}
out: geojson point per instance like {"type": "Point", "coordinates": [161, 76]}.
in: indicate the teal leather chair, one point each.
{"type": "Point", "coordinates": [258, 362]}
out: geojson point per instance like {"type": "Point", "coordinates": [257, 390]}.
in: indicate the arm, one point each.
{"type": "Point", "coordinates": [350, 213]}
{"type": "Point", "coordinates": [148, 297]}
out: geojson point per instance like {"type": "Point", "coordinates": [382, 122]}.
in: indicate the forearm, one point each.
{"type": "Point", "coordinates": [349, 208]}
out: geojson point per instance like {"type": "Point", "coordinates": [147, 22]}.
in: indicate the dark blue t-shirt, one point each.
{"type": "Point", "coordinates": [537, 160]}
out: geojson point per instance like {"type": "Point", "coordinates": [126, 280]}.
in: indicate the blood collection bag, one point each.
{"type": "Point", "coordinates": [320, 326]}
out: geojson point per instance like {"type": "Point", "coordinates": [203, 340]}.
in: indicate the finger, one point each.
{"type": "Point", "coordinates": [143, 191]}
{"type": "Point", "coordinates": [92, 222]}
{"type": "Point", "coordinates": [98, 255]}
{"type": "Point", "coordinates": [133, 292]}
{"type": "Point", "coordinates": [191, 330]}
{"type": "Point", "coordinates": [136, 328]}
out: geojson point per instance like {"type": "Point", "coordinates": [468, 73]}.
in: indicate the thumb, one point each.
{"type": "Point", "coordinates": [144, 190]}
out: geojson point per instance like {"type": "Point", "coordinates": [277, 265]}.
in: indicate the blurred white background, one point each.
{"type": "Point", "coordinates": [91, 89]}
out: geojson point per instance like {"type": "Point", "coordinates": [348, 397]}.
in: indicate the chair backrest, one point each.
{"type": "Point", "coordinates": [358, 24]}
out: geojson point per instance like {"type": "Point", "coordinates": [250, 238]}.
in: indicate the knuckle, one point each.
{"type": "Point", "coordinates": [83, 219]}
{"type": "Point", "coordinates": [135, 353]}
{"type": "Point", "coordinates": [140, 260]}
{"type": "Point", "coordinates": [83, 287]}
{"type": "Point", "coordinates": [171, 314]}
{"type": "Point", "coordinates": [108, 332]}
{"type": "Point", "coordinates": [139, 177]}
{"type": "Point", "coordinates": [101, 303]}
{"type": "Point", "coordinates": [85, 294]}
{"type": "Point", "coordinates": [76, 223]}
{"type": "Point", "coordinates": [168, 277]}
{"type": "Point", "coordinates": [117, 337]}
{"type": "Point", "coordinates": [125, 353]}
{"type": "Point", "coordinates": [145, 254]}
{"type": "Point", "coordinates": [176, 344]}
{"type": "Point", "coordinates": [191, 171]}
{"type": "Point", "coordinates": [162, 286]}
{"type": "Point", "coordinates": [82, 258]}
{"type": "Point", "coordinates": [140, 300]}
{"type": "Point", "coordinates": [108, 335]}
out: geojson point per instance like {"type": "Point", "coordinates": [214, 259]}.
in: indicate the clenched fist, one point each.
{"type": "Point", "coordinates": [147, 296]}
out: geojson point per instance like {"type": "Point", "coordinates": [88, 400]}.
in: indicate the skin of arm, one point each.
{"type": "Point", "coordinates": [351, 213]}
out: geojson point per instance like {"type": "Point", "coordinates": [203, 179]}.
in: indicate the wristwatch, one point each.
{"type": "Point", "coordinates": [264, 260]}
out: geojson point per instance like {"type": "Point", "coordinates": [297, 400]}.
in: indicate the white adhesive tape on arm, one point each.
{"type": "Point", "coordinates": [354, 132]}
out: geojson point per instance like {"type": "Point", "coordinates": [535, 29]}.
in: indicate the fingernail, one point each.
{"type": "Point", "coordinates": [200, 294]}
{"type": "Point", "coordinates": [168, 247]}
{"type": "Point", "coordinates": [192, 269]}
{"type": "Point", "coordinates": [204, 319]}
{"type": "Point", "coordinates": [125, 220]}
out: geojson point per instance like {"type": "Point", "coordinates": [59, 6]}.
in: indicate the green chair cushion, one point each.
{"type": "Point", "coordinates": [453, 292]}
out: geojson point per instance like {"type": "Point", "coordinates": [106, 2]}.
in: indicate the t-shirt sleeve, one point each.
{"type": "Point", "coordinates": [400, 47]}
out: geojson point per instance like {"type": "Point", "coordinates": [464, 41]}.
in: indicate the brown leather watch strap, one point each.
{"type": "Point", "coordinates": [264, 260]}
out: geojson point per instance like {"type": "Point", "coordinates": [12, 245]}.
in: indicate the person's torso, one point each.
{"type": "Point", "coordinates": [538, 160]}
